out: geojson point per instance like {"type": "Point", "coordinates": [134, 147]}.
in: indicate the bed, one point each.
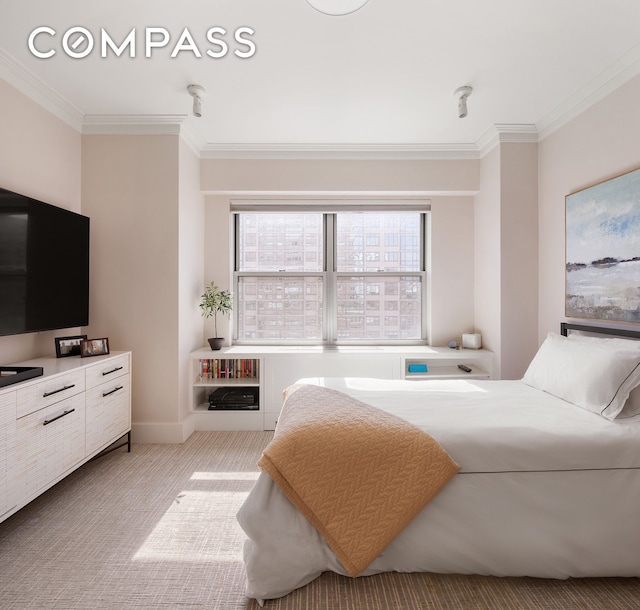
{"type": "Point", "coordinates": [534, 477]}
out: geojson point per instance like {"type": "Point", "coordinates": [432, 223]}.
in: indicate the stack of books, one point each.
{"type": "Point", "coordinates": [230, 368]}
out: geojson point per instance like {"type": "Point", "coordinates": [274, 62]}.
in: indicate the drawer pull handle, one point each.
{"type": "Point", "coordinates": [46, 422]}
{"type": "Point", "coordinates": [67, 387]}
{"type": "Point", "coordinates": [118, 368]}
{"type": "Point", "coordinates": [105, 394]}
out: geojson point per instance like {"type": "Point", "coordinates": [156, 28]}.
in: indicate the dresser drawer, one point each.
{"type": "Point", "coordinates": [102, 372]}
{"type": "Point", "coordinates": [108, 413]}
{"type": "Point", "coordinates": [49, 391]}
{"type": "Point", "coordinates": [49, 443]}
{"type": "Point", "coordinates": [8, 496]}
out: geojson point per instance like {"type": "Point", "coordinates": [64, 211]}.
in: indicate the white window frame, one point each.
{"type": "Point", "coordinates": [329, 305]}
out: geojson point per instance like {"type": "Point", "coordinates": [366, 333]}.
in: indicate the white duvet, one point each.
{"type": "Point", "coordinates": [545, 489]}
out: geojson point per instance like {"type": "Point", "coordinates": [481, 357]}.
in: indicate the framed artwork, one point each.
{"type": "Point", "coordinates": [68, 346]}
{"type": "Point", "coordinates": [94, 347]}
{"type": "Point", "coordinates": [602, 264]}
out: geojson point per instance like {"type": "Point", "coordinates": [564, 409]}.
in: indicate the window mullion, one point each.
{"type": "Point", "coordinates": [330, 314]}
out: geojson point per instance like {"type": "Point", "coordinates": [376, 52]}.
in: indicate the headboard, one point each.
{"type": "Point", "coordinates": [565, 327]}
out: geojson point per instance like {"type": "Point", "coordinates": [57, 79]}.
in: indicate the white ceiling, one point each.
{"type": "Point", "coordinates": [378, 80]}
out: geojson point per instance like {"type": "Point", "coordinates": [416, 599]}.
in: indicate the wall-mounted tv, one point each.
{"type": "Point", "coordinates": [44, 266]}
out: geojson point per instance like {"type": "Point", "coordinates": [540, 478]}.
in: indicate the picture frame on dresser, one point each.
{"type": "Point", "coordinates": [68, 346]}
{"type": "Point", "coordinates": [94, 347]}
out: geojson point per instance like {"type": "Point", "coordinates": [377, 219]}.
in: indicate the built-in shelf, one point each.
{"type": "Point", "coordinates": [276, 367]}
{"type": "Point", "coordinates": [223, 369]}
{"type": "Point", "coordinates": [430, 368]}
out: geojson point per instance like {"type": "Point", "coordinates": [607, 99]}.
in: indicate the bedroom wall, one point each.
{"type": "Point", "coordinates": [190, 271]}
{"type": "Point", "coordinates": [39, 157]}
{"type": "Point", "coordinates": [130, 189]}
{"type": "Point", "coordinates": [143, 196]}
{"type": "Point", "coordinates": [506, 256]}
{"type": "Point", "coordinates": [217, 262]}
{"type": "Point", "coordinates": [487, 268]}
{"type": "Point", "coordinates": [451, 278]}
{"type": "Point", "coordinates": [246, 176]}
{"type": "Point", "coordinates": [450, 185]}
{"type": "Point", "coordinates": [452, 271]}
{"type": "Point", "coordinates": [519, 257]}
{"type": "Point", "coordinates": [597, 145]}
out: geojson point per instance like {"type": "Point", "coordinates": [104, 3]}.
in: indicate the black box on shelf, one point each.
{"type": "Point", "coordinates": [15, 374]}
{"type": "Point", "coordinates": [234, 399]}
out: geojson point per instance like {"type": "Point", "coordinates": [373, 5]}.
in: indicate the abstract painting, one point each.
{"type": "Point", "coordinates": [603, 250]}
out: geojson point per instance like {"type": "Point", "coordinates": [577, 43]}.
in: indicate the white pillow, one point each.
{"type": "Point", "coordinates": [606, 341]}
{"type": "Point", "coordinates": [631, 407]}
{"type": "Point", "coordinates": [591, 375]}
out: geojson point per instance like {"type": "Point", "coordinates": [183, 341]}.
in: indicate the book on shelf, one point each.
{"type": "Point", "coordinates": [229, 368]}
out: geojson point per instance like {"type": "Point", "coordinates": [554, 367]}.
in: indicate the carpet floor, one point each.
{"type": "Point", "coordinates": [156, 528]}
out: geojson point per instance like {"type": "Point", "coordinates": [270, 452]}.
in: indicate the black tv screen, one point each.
{"type": "Point", "coordinates": [44, 266]}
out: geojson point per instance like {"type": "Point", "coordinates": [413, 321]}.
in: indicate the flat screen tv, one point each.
{"type": "Point", "coordinates": [44, 266]}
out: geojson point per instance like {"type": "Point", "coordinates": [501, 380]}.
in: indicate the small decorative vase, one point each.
{"type": "Point", "coordinates": [216, 342]}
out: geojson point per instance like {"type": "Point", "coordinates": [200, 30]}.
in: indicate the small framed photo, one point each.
{"type": "Point", "coordinates": [68, 346]}
{"type": "Point", "coordinates": [94, 347]}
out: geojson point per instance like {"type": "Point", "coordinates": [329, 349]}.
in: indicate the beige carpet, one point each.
{"type": "Point", "coordinates": [156, 528]}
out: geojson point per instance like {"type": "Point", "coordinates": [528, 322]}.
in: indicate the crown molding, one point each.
{"type": "Point", "coordinates": [500, 132]}
{"type": "Point", "coordinates": [516, 132]}
{"type": "Point", "coordinates": [506, 132]}
{"type": "Point", "coordinates": [176, 124]}
{"type": "Point", "coordinates": [133, 124]}
{"type": "Point", "coordinates": [340, 151]}
{"type": "Point", "coordinates": [25, 81]}
{"type": "Point", "coordinates": [616, 75]}
{"type": "Point", "coordinates": [193, 137]}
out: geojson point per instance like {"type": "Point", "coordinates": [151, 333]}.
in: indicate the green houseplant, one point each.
{"type": "Point", "coordinates": [213, 302]}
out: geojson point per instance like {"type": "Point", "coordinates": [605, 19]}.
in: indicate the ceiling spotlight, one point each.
{"type": "Point", "coordinates": [337, 7]}
{"type": "Point", "coordinates": [198, 93]}
{"type": "Point", "coordinates": [462, 93]}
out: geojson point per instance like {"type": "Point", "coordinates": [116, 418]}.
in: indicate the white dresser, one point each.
{"type": "Point", "coordinates": [52, 424]}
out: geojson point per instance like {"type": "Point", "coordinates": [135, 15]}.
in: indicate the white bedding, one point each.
{"type": "Point", "coordinates": [545, 489]}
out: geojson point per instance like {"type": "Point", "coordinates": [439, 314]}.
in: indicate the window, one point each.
{"type": "Point", "coordinates": [316, 276]}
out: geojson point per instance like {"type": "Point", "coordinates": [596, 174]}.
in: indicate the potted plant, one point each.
{"type": "Point", "coordinates": [213, 302]}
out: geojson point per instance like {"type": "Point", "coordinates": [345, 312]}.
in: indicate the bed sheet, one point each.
{"type": "Point", "coordinates": [545, 489]}
{"type": "Point", "coordinates": [492, 426]}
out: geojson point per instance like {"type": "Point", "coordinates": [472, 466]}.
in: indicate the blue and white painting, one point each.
{"type": "Point", "coordinates": [603, 250]}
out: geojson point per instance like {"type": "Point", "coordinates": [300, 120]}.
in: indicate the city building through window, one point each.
{"type": "Point", "coordinates": [307, 276]}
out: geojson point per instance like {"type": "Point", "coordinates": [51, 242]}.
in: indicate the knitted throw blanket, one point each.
{"type": "Point", "coordinates": [357, 473]}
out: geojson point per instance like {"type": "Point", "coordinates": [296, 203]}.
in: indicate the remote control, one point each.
{"type": "Point", "coordinates": [464, 368]}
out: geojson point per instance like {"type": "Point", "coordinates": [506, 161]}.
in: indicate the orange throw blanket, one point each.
{"type": "Point", "coordinates": [357, 473]}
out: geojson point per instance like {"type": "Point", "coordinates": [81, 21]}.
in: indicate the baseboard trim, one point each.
{"type": "Point", "coordinates": [171, 434]}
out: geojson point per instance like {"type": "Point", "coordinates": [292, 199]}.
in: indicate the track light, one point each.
{"type": "Point", "coordinates": [198, 93]}
{"type": "Point", "coordinates": [462, 93]}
